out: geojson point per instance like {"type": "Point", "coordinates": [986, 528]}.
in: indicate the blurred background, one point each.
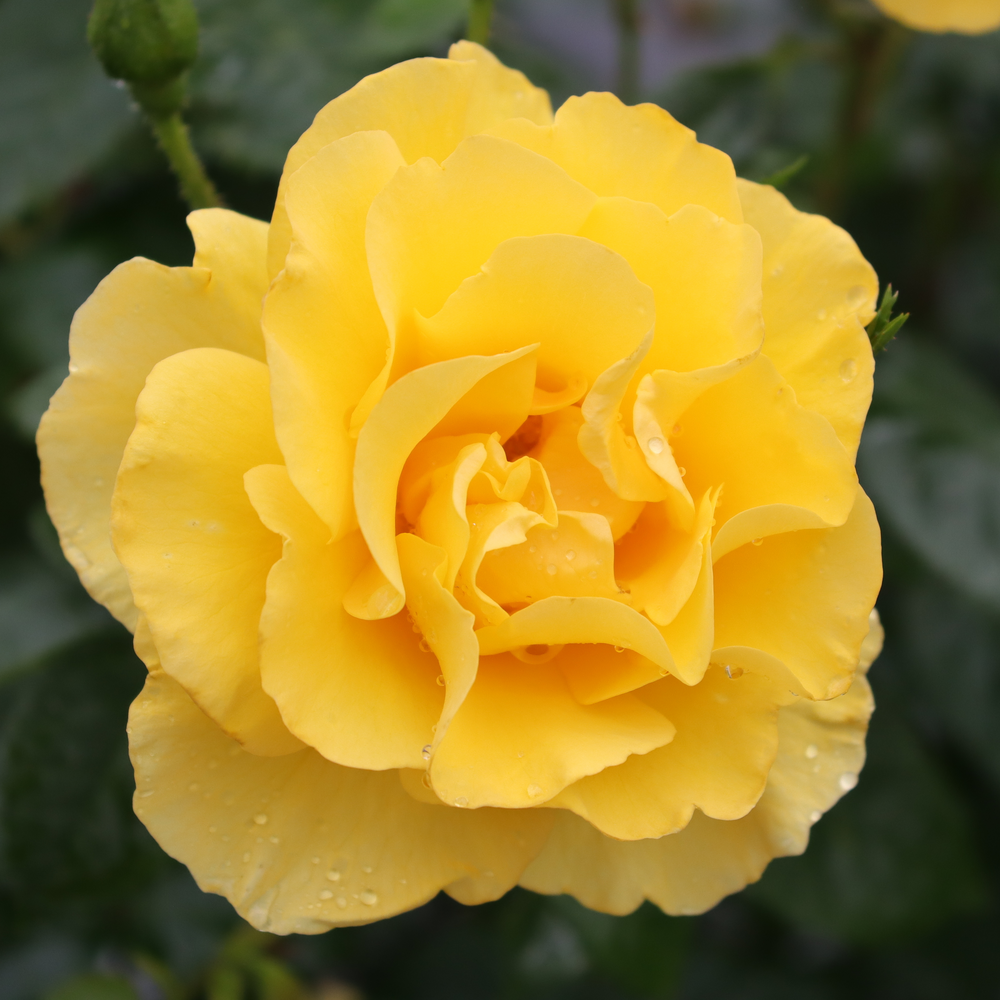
{"type": "Point", "coordinates": [893, 134]}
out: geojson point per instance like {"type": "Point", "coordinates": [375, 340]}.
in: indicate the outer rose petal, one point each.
{"type": "Point", "coordinates": [195, 551]}
{"type": "Point", "coordinates": [142, 312]}
{"type": "Point", "coordinates": [361, 692]}
{"type": "Point", "coordinates": [971, 17]}
{"type": "Point", "coordinates": [820, 751]}
{"type": "Point", "coordinates": [427, 105]}
{"type": "Point", "coordinates": [300, 845]}
{"type": "Point", "coordinates": [520, 737]}
{"type": "Point", "coordinates": [819, 292]}
{"type": "Point", "coordinates": [326, 340]}
{"type": "Point", "coordinates": [705, 316]}
{"type": "Point", "coordinates": [727, 738]}
{"type": "Point", "coordinates": [640, 153]}
{"type": "Point", "coordinates": [804, 598]}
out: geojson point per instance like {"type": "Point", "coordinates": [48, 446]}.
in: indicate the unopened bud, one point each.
{"type": "Point", "coordinates": [149, 44]}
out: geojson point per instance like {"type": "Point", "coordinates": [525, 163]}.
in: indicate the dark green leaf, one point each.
{"type": "Point", "coordinates": [883, 328]}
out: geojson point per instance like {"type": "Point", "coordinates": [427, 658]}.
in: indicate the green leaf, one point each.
{"type": "Point", "coordinates": [66, 821]}
{"type": "Point", "coordinates": [894, 857]}
{"type": "Point", "coordinates": [930, 458]}
{"type": "Point", "coordinates": [884, 327]}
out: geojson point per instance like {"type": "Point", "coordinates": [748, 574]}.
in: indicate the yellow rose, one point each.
{"type": "Point", "coordinates": [971, 17]}
{"type": "Point", "coordinates": [502, 547]}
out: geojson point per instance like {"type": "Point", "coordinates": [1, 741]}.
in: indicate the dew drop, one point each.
{"type": "Point", "coordinates": [368, 898]}
{"type": "Point", "coordinates": [341, 902]}
{"type": "Point", "coordinates": [461, 802]}
{"type": "Point", "coordinates": [333, 875]}
{"type": "Point", "coordinates": [260, 819]}
{"type": "Point", "coordinates": [821, 315]}
{"type": "Point", "coordinates": [777, 270]}
{"type": "Point", "coordinates": [655, 445]}
{"type": "Point", "coordinates": [440, 680]}
{"type": "Point", "coordinates": [848, 369]}
{"type": "Point", "coordinates": [570, 555]}
{"type": "Point", "coordinates": [315, 861]}
{"type": "Point", "coordinates": [246, 857]}
{"type": "Point", "coordinates": [551, 569]}
{"type": "Point", "coordinates": [619, 649]}
{"type": "Point", "coordinates": [326, 894]}
{"type": "Point", "coordinates": [274, 840]}
{"type": "Point", "coordinates": [732, 672]}
{"type": "Point", "coordinates": [682, 471]}
{"type": "Point", "coordinates": [424, 646]}
{"type": "Point", "coordinates": [815, 816]}
{"type": "Point", "coordinates": [848, 781]}
{"type": "Point", "coordinates": [534, 791]}
{"type": "Point", "coordinates": [73, 367]}
{"type": "Point", "coordinates": [812, 751]}
{"type": "Point", "coordinates": [594, 502]}
{"type": "Point", "coordinates": [367, 869]}
{"type": "Point", "coordinates": [426, 752]}
{"type": "Point", "coordinates": [532, 548]}
{"type": "Point", "coordinates": [756, 541]}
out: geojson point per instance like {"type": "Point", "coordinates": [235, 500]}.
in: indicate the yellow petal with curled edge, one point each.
{"type": "Point", "coordinates": [139, 314]}
{"type": "Point", "coordinates": [804, 597]}
{"type": "Point", "coordinates": [196, 553]}
{"type": "Point", "coordinates": [361, 692]}
{"type": "Point", "coordinates": [555, 620]}
{"type": "Point", "coordinates": [492, 526]}
{"type": "Point", "coordinates": [595, 671]}
{"type": "Point", "coordinates": [427, 105]}
{"type": "Point", "coordinates": [298, 844]}
{"type": "Point", "coordinates": [819, 294]}
{"type": "Point", "coordinates": [658, 564]}
{"type": "Point", "coordinates": [432, 226]}
{"type": "Point", "coordinates": [443, 521]}
{"type": "Point", "coordinates": [971, 17]}
{"type": "Point", "coordinates": [326, 340]}
{"type": "Point", "coordinates": [662, 398]}
{"type": "Point", "coordinates": [576, 483]}
{"type": "Point", "coordinates": [579, 301]}
{"type": "Point", "coordinates": [718, 762]}
{"type": "Point", "coordinates": [410, 409]}
{"type": "Point", "coordinates": [606, 444]}
{"type": "Point", "coordinates": [820, 751]}
{"type": "Point", "coordinates": [446, 626]}
{"type": "Point", "coordinates": [573, 559]}
{"type": "Point", "coordinates": [749, 435]}
{"type": "Point", "coordinates": [665, 164]}
{"type": "Point", "coordinates": [520, 737]}
{"type": "Point", "coordinates": [705, 316]}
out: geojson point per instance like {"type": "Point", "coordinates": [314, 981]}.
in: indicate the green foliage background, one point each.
{"type": "Point", "coordinates": [894, 135]}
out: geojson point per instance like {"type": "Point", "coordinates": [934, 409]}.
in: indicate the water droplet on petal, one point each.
{"type": "Point", "coordinates": [619, 649]}
{"type": "Point", "coordinates": [212, 829]}
{"type": "Point", "coordinates": [315, 861]}
{"type": "Point", "coordinates": [848, 781]}
{"type": "Point", "coordinates": [367, 869]}
{"type": "Point", "coordinates": [756, 541]}
{"type": "Point", "coordinates": [260, 819]}
{"type": "Point", "coordinates": [532, 548]}
{"type": "Point", "coordinates": [440, 680]}
{"type": "Point", "coordinates": [246, 857]}
{"type": "Point", "coordinates": [570, 555]}
{"type": "Point", "coordinates": [812, 751]}
{"type": "Point", "coordinates": [368, 898]}
{"type": "Point", "coordinates": [848, 369]}
{"type": "Point", "coordinates": [333, 875]}
{"type": "Point", "coordinates": [461, 802]}
{"type": "Point", "coordinates": [821, 315]}
{"type": "Point", "coordinates": [682, 472]}
{"type": "Point", "coordinates": [426, 752]}
{"type": "Point", "coordinates": [341, 902]}
{"type": "Point", "coordinates": [551, 569]}
{"type": "Point", "coordinates": [815, 816]}
{"type": "Point", "coordinates": [594, 502]}
{"type": "Point", "coordinates": [424, 646]}
{"type": "Point", "coordinates": [534, 791]}
{"type": "Point", "coordinates": [655, 445]}
{"type": "Point", "coordinates": [326, 894]}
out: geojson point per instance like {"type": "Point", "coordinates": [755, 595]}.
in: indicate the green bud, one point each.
{"type": "Point", "coordinates": [149, 44]}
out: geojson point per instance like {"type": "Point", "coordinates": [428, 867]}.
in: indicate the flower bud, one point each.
{"type": "Point", "coordinates": [147, 43]}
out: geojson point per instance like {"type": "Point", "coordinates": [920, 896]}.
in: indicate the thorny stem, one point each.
{"type": "Point", "coordinates": [172, 135]}
{"type": "Point", "coordinates": [480, 21]}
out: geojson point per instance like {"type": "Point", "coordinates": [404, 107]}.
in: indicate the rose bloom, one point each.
{"type": "Point", "coordinates": [515, 540]}
{"type": "Point", "coordinates": [970, 17]}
